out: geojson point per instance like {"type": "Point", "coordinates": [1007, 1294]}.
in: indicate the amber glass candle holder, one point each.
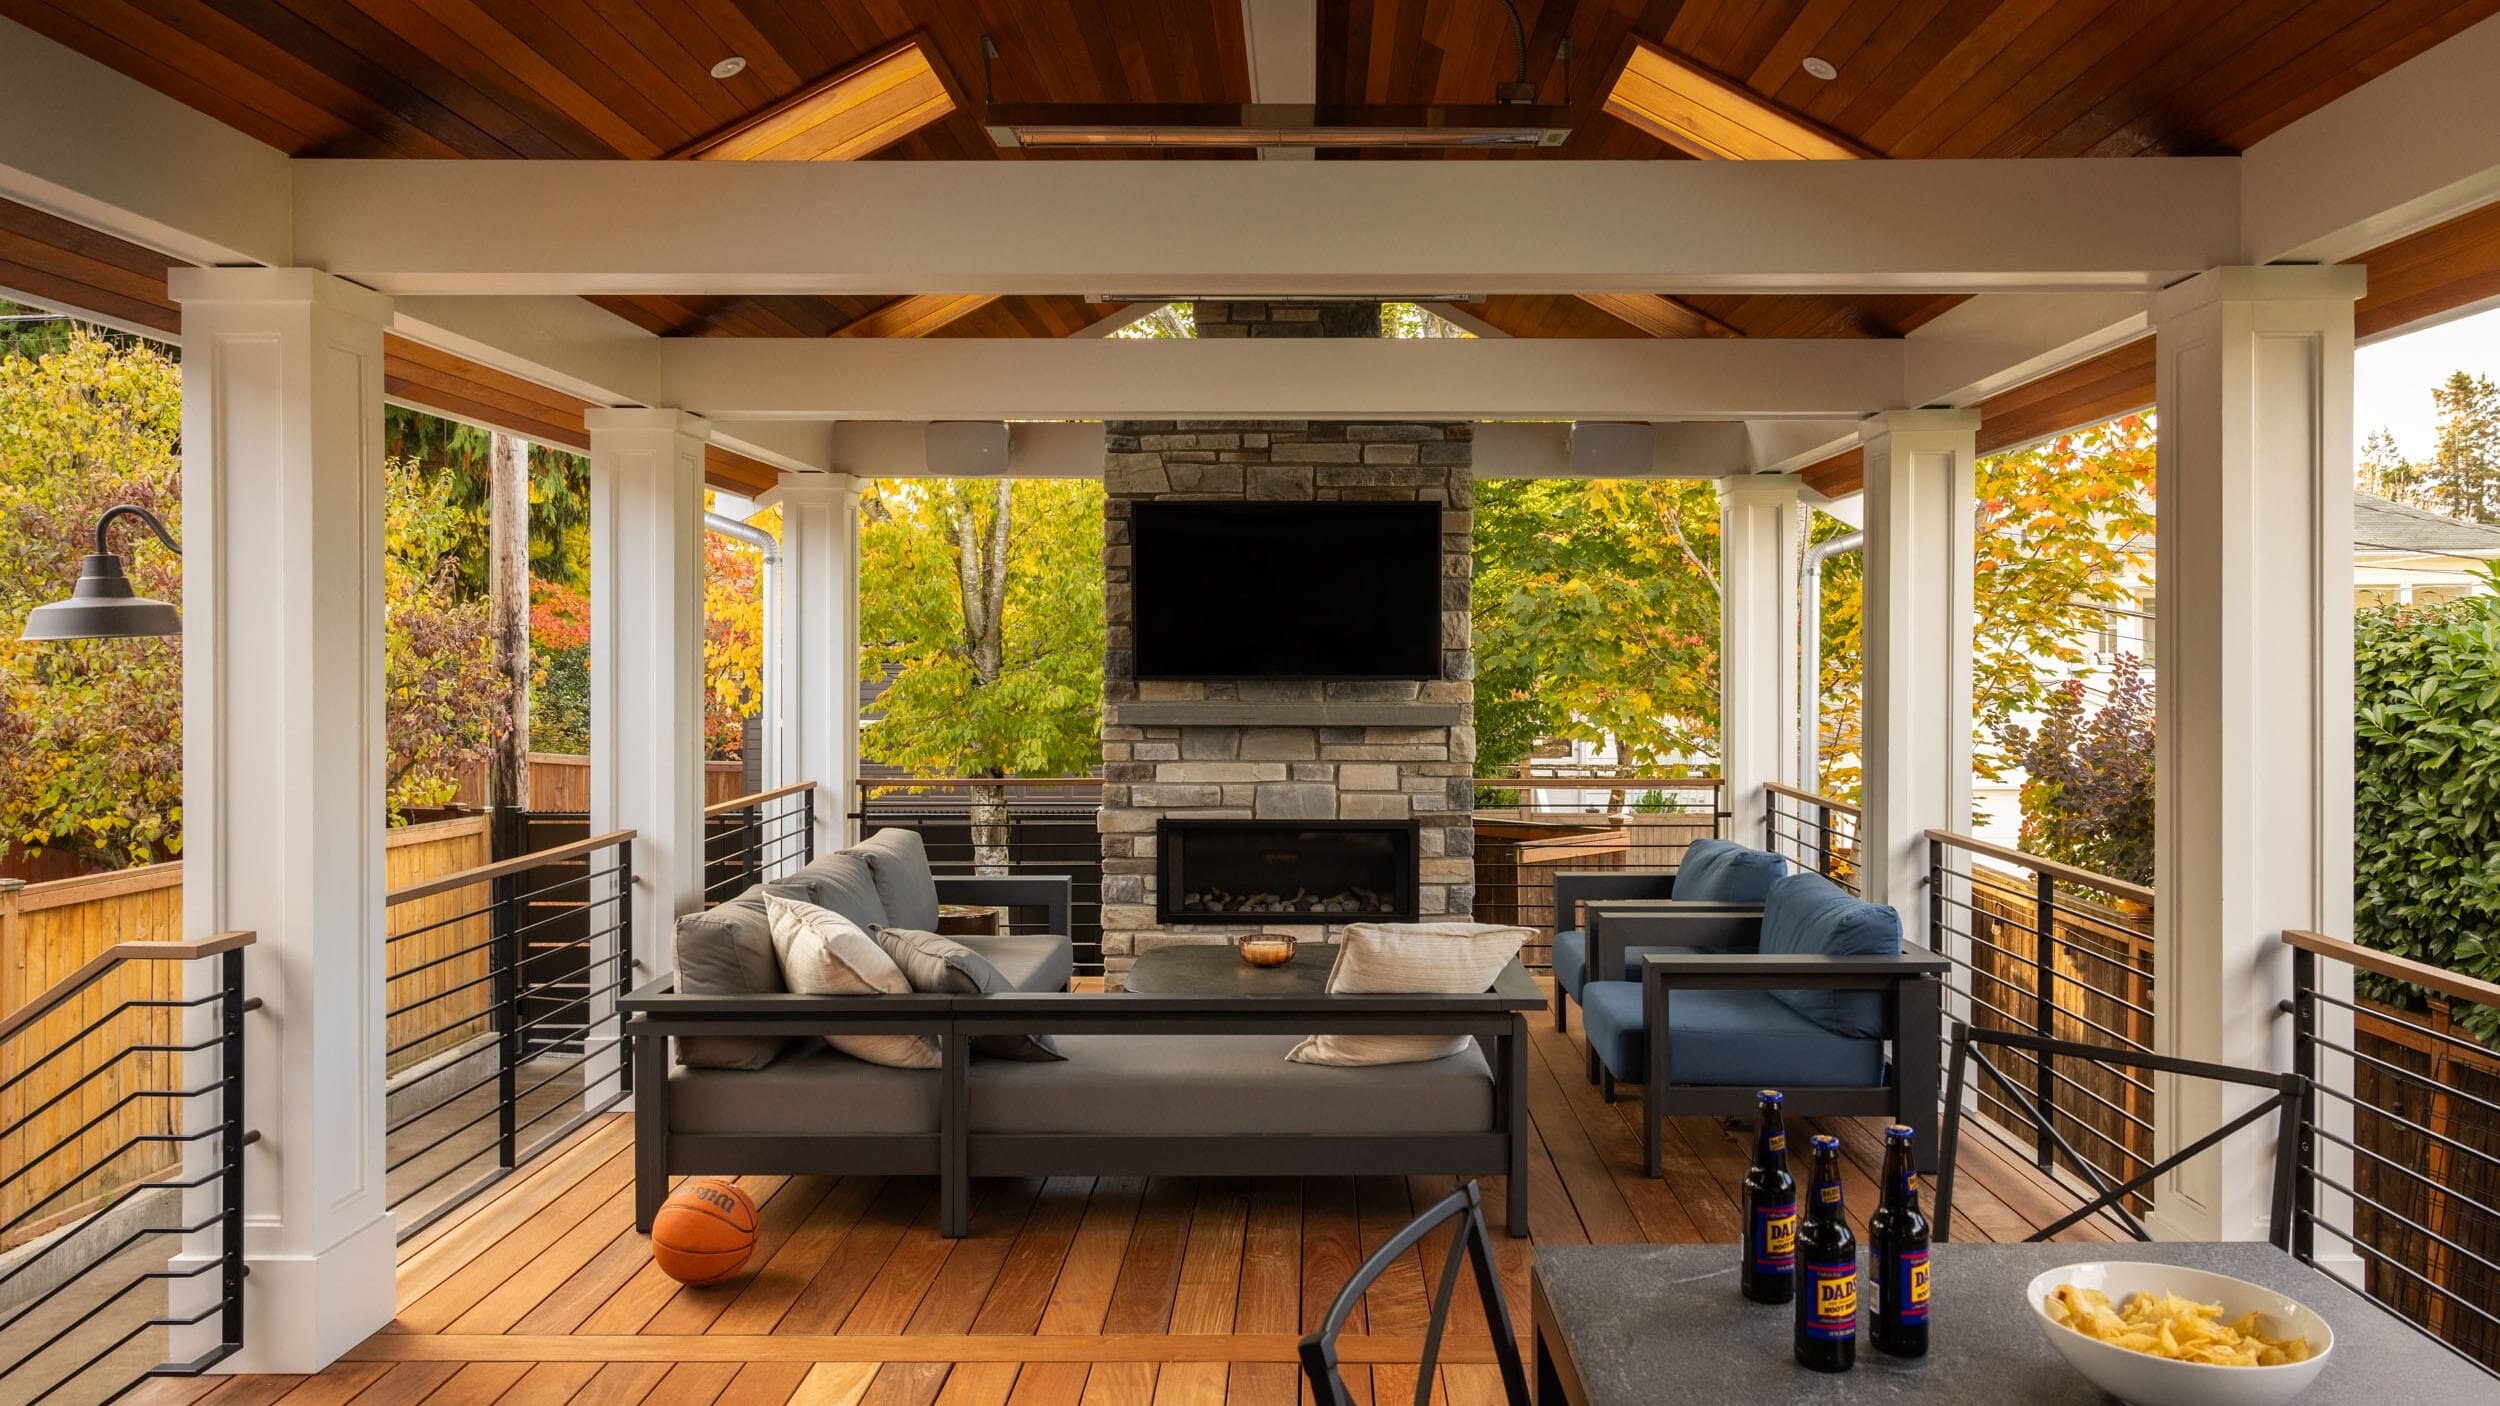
{"type": "Point", "coordinates": [1265, 949]}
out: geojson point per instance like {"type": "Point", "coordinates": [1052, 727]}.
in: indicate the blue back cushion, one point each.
{"type": "Point", "coordinates": [1723, 871]}
{"type": "Point", "coordinates": [1807, 913]}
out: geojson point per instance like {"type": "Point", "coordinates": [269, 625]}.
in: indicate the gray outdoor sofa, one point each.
{"type": "Point", "coordinates": [1150, 1086]}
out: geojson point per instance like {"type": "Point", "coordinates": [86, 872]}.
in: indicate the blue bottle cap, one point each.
{"type": "Point", "coordinates": [1899, 1132]}
{"type": "Point", "coordinates": [1770, 1096]}
{"type": "Point", "coordinates": [1824, 1140]}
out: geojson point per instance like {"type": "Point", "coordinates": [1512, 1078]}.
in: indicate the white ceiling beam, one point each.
{"type": "Point", "coordinates": [87, 144]}
{"type": "Point", "coordinates": [572, 345]}
{"type": "Point", "coordinates": [1216, 227]}
{"type": "Point", "coordinates": [2416, 145]}
{"type": "Point", "coordinates": [900, 449]}
{"type": "Point", "coordinates": [1457, 379]}
{"type": "Point", "coordinates": [1281, 38]}
{"type": "Point", "coordinates": [1984, 345]}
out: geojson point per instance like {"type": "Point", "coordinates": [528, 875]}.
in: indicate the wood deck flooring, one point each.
{"type": "Point", "coordinates": [1069, 1292]}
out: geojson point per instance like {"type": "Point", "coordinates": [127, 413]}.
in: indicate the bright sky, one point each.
{"type": "Point", "coordinates": [2392, 380]}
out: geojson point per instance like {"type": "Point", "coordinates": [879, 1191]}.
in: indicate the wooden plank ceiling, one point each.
{"type": "Point", "coordinates": [589, 79]}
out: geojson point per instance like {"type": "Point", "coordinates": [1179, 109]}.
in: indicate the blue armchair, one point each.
{"type": "Point", "coordinates": [1809, 1009]}
{"type": "Point", "coordinates": [1716, 874]}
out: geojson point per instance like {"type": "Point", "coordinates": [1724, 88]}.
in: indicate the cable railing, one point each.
{"type": "Point", "coordinates": [2056, 952]}
{"type": "Point", "coordinates": [1813, 832]}
{"type": "Point", "coordinates": [2398, 1194]}
{"type": "Point", "coordinates": [1531, 827]}
{"type": "Point", "coordinates": [502, 1034]}
{"type": "Point", "coordinates": [758, 838]}
{"type": "Point", "coordinates": [1038, 825]}
{"type": "Point", "coordinates": [127, 1224]}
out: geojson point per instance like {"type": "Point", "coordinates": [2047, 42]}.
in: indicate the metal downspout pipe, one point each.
{"type": "Point", "coordinates": [1810, 672]}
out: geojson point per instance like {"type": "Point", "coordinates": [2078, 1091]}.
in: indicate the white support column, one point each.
{"type": "Point", "coordinates": [1758, 545]}
{"type": "Point", "coordinates": [1919, 622]}
{"type": "Point", "coordinates": [282, 772]}
{"type": "Point", "coordinates": [646, 661]}
{"type": "Point", "coordinates": [814, 664]}
{"type": "Point", "coordinates": [2254, 720]}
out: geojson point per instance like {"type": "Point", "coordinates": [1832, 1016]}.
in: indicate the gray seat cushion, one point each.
{"type": "Point", "coordinates": [904, 883]}
{"type": "Point", "coordinates": [845, 883]}
{"type": "Point", "coordinates": [1028, 963]}
{"type": "Point", "coordinates": [812, 1090]}
{"type": "Point", "coordinates": [1220, 1085]}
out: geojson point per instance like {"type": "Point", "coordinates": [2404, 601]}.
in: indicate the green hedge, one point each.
{"type": "Point", "coordinates": [2426, 684]}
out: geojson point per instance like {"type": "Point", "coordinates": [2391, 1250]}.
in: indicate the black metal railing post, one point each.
{"type": "Point", "coordinates": [807, 826]}
{"type": "Point", "coordinates": [623, 952]}
{"type": "Point", "coordinates": [1823, 841]}
{"type": "Point", "coordinates": [2044, 1011]}
{"type": "Point", "coordinates": [504, 952]}
{"type": "Point", "coordinates": [232, 1139]}
{"type": "Point", "coordinates": [2303, 1008]}
{"type": "Point", "coordinates": [1935, 897]}
{"type": "Point", "coordinates": [752, 817]}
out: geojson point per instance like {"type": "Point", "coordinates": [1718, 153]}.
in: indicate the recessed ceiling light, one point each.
{"type": "Point", "coordinates": [1821, 68]}
{"type": "Point", "coordinates": [729, 67]}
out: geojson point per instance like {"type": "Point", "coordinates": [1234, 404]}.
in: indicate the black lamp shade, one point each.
{"type": "Point", "coordinates": [101, 606]}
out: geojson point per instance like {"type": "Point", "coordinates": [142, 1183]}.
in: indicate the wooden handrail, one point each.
{"type": "Point", "coordinates": [96, 966]}
{"type": "Point", "coordinates": [2454, 985]}
{"type": "Point", "coordinates": [1844, 807]}
{"type": "Point", "coordinates": [484, 873]}
{"type": "Point", "coordinates": [759, 798]}
{"type": "Point", "coordinates": [2066, 873]}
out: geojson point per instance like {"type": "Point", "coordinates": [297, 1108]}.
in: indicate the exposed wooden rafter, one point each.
{"type": "Point", "coordinates": [1696, 110]}
{"type": "Point", "coordinates": [879, 100]}
{"type": "Point", "coordinates": [1659, 315]}
{"type": "Point", "coordinates": [916, 316]}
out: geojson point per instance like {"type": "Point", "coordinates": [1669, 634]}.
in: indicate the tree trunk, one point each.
{"type": "Point", "coordinates": [508, 574]}
{"type": "Point", "coordinates": [989, 830]}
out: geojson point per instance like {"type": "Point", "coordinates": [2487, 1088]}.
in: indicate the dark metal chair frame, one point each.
{"type": "Point", "coordinates": [2290, 1095]}
{"type": "Point", "coordinates": [1607, 892]}
{"type": "Point", "coordinates": [1474, 1244]}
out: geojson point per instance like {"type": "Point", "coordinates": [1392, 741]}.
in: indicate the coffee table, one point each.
{"type": "Point", "coordinates": [1215, 969]}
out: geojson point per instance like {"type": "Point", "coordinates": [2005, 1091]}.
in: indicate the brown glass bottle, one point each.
{"type": "Point", "coordinates": [1768, 1273]}
{"type": "Point", "coordinates": [1827, 1270]}
{"type": "Point", "coordinates": [1896, 1241]}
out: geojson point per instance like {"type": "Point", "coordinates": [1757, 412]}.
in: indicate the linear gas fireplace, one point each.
{"type": "Point", "coordinates": [1309, 871]}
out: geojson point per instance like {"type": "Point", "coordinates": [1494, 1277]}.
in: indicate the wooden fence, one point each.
{"type": "Point", "coordinates": [2428, 1215]}
{"type": "Point", "coordinates": [560, 783]}
{"type": "Point", "coordinates": [49, 930]}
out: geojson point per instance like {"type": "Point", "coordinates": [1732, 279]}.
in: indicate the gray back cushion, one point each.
{"type": "Point", "coordinates": [842, 882]}
{"type": "Point", "coordinates": [943, 966]}
{"type": "Point", "coordinates": [901, 864]}
{"type": "Point", "coordinates": [728, 951]}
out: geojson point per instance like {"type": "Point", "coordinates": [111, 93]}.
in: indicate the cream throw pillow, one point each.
{"type": "Point", "coordinates": [823, 953]}
{"type": "Point", "coordinates": [1399, 958]}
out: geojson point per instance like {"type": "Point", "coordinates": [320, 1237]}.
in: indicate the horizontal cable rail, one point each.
{"type": "Point", "coordinates": [2398, 1192]}
{"type": "Point", "coordinates": [2058, 952]}
{"type": "Point", "coordinates": [758, 838]}
{"type": "Point", "coordinates": [1040, 825]}
{"type": "Point", "coordinates": [501, 1034]}
{"type": "Point", "coordinates": [124, 1226]}
{"type": "Point", "coordinates": [1813, 832]}
{"type": "Point", "coordinates": [1646, 824]}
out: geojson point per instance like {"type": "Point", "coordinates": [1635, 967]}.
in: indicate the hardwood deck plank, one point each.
{"type": "Point", "coordinates": [1150, 1272]}
{"type": "Point", "coordinates": [836, 1289]}
{"type": "Point", "coordinates": [334, 1385]}
{"type": "Point", "coordinates": [973, 1264]}
{"type": "Point", "coordinates": [622, 1383]}
{"type": "Point", "coordinates": [763, 1384]}
{"type": "Point", "coordinates": [907, 1384]}
{"type": "Point", "coordinates": [887, 1303]}
{"type": "Point", "coordinates": [543, 1273]}
{"type": "Point", "coordinates": [573, 1301]}
{"type": "Point", "coordinates": [605, 1349]}
{"type": "Point", "coordinates": [509, 1252]}
{"type": "Point", "coordinates": [694, 1309]}
{"type": "Point", "coordinates": [1021, 1293]}
{"type": "Point", "coordinates": [1395, 1302]}
{"type": "Point", "coordinates": [1210, 1278]}
{"type": "Point", "coordinates": [1663, 1218]}
{"type": "Point", "coordinates": [1082, 1296]}
{"type": "Point", "coordinates": [695, 1383]}
{"type": "Point", "coordinates": [549, 1384]}
{"type": "Point", "coordinates": [834, 1384]}
{"type": "Point", "coordinates": [1332, 1248]}
{"type": "Point", "coordinates": [1262, 1384]}
{"type": "Point", "coordinates": [1050, 1384]}
{"type": "Point", "coordinates": [579, 1155]}
{"type": "Point", "coordinates": [979, 1384]}
{"type": "Point", "coordinates": [1603, 1215]}
{"type": "Point", "coordinates": [1119, 1384]}
{"type": "Point", "coordinates": [478, 1384]}
{"type": "Point", "coordinates": [1190, 1384]}
{"type": "Point", "coordinates": [1270, 1296]}
{"type": "Point", "coordinates": [408, 1384]}
{"type": "Point", "coordinates": [770, 1291]}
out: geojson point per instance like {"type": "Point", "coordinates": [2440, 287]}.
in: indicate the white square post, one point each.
{"type": "Point", "coordinates": [1758, 701]}
{"type": "Point", "coordinates": [646, 675]}
{"type": "Point", "coordinates": [282, 773]}
{"type": "Point", "coordinates": [2254, 712]}
{"type": "Point", "coordinates": [813, 660]}
{"type": "Point", "coordinates": [1919, 625]}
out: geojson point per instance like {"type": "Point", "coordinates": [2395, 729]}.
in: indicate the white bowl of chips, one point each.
{"type": "Point", "coordinates": [2161, 1335]}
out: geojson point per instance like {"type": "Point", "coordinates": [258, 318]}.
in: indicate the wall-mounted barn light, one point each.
{"type": "Point", "coordinates": [102, 605]}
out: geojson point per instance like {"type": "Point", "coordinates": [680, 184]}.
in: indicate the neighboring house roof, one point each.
{"type": "Point", "coordinates": [2381, 526]}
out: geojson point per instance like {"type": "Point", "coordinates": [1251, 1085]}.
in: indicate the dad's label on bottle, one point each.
{"type": "Point", "coordinates": [1775, 1238]}
{"type": "Point", "coordinates": [1776, 1142]}
{"type": "Point", "coordinates": [1834, 1287]}
{"type": "Point", "coordinates": [1911, 1273]}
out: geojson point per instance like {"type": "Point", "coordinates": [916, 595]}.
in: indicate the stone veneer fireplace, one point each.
{"type": "Point", "coordinates": [1358, 762]}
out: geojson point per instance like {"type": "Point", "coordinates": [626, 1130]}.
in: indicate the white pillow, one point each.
{"type": "Point", "coordinates": [823, 953]}
{"type": "Point", "coordinates": [1397, 958]}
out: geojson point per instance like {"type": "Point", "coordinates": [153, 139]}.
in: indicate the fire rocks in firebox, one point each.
{"type": "Point", "coordinates": [1356, 900]}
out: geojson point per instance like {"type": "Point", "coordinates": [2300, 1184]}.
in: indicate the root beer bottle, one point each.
{"type": "Point", "coordinates": [1769, 1271]}
{"type": "Point", "coordinates": [1897, 1242]}
{"type": "Point", "coordinates": [1827, 1271]}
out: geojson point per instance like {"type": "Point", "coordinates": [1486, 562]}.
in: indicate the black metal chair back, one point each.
{"type": "Point", "coordinates": [2289, 1096]}
{"type": "Point", "coordinates": [1471, 1243]}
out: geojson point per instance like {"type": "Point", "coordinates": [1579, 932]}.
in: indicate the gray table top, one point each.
{"type": "Point", "coordinates": [1655, 1325]}
{"type": "Point", "coordinates": [1215, 969]}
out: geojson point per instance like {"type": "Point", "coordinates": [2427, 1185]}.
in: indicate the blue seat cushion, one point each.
{"type": "Point", "coordinates": [1723, 871]}
{"type": "Point", "coordinates": [1809, 914]}
{"type": "Point", "coordinates": [1727, 1037]}
{"type": "Point", "coordinates": [1571, 960]}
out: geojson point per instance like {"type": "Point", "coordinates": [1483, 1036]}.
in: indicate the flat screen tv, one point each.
{"type": "Point", "coordinates": [1286, 590]}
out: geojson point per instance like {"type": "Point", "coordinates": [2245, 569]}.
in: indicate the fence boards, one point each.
{"type": "Point", "coordinates": [437, 947]}
{"type": "Point", "coordinates": [560, 783]}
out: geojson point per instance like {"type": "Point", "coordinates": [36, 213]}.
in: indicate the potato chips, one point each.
{"type": "Point", "coordinates": [2168, 1326]}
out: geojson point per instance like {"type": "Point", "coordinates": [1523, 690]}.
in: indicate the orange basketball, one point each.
{"type": "Point", "coordinates": [704, 1232]}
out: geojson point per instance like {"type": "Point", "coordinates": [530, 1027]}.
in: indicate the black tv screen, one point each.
{"type": "Point", "coordinates": [1286, 590]}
